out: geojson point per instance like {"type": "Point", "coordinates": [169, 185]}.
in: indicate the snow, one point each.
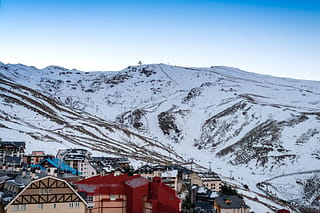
{"type": "Point", "coordinates": [172, 173]}
{"type": "Point", "coordinates": [257, 207]}
{"type": "Point", "coordinates": [93, 101]}
{"type": "Point", "coordinates": [202, 190]}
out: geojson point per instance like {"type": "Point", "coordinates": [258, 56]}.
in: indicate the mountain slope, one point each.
{"type": "Point", "coordinates": [254, 126]}
{"type": "Point", "coordinates": [26, 111]}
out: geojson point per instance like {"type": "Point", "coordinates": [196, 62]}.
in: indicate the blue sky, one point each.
{"type": "Point", "coordinates": [276, 37]}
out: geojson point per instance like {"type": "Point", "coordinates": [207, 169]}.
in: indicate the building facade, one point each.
{"type": "Point", "coordinates": [130, 194]}
{"type": "Point", "coordinates": [78, 159]}
{"type": "Point", "coordinates": [36, 157]}
{"type": "Point", "coordinates": [210, 180]}
{"type": "Point", "coordinates": [11, 149]}
{"type": "Point", "coordinates": [50, 194]}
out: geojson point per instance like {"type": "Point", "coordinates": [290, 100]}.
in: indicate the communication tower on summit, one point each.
{"type": "Point", "coordinates": [140, 63]}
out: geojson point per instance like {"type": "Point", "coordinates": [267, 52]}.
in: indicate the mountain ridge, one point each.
{"type": "Point", "coordinates": [249, 123]}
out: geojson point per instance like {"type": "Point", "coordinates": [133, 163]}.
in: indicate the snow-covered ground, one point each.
{"type": "Point", "coordinates": [252, 127]}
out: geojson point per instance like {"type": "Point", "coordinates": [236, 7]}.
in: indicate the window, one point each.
{"type": "Point", "coordinates": [21, 207]}
{"type": "Point", "coordinates": [90, 199]}
{"type": "Point", "coordinates": [90, 205]}
{"type": "Point", "coordinates": [45, 191]}
{"type": "Point", "coordinates": [77, 204]}
{"type": "Point", "coordinates": [112, 197]}
{"type": "Point", "coordinates": [74, 205]}
{"type": "Point", "coordinates": [40, 205]}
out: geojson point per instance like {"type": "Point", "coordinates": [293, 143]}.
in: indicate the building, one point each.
{"type": "Point", "coordinates": [146, 171]}
{"type": "Point", "coordinates": [122, 162]}
{"type": "Point", "coordinates": [202, 198]}
{"type": "Point", "coordinates": [108, 165]}
{"type": "Point", "coordinates": [50, 194]}
{"type": "Point", "coordinates": [171, 179]}
{"type": "Point", "coordinates": [78, 159]}
{"type": "Point", "coordinates": [202, 194]}
{"type": "Point", "coordinates": [13, 162]}
{"type": "Point", "coordinates": [36, 157]}
{"type": "Point", "coordinates": [11, 149]}
{"type": "Point", "coordinates": [204, 207]}
{"type": "Point", "coordinates": [162, 197]}
{"type": "Point", "coordinates": [230, 203]}
{"type": "Point", "coordinates": [175, 176]}
{"type": "Point", "coordinates": [131, 194]}
{"type": "Point", "coordinates": [55, 165]}
{"type": "Point", "coordinates": [211, 180]}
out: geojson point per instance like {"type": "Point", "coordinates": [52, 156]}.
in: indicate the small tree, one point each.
{"type": "Point", "coordinates": [227, 190]}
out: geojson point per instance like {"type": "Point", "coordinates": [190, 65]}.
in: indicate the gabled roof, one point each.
{"type": "Point", "coordinates": [57, 163]}
{"type": "Point", "coordinates": [230, 202]}
{"type": "Point", "coordinates": [17, 144]}
{"type": "Point", "coordinates": [44, 179]}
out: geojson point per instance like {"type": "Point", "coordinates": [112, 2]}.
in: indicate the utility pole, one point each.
{"type": "Point", "coordinates": [230, 174]}
{"type": "Point", "coordinates": [210, 166]}
{"type": "Point", "coordinates": [191, 159]}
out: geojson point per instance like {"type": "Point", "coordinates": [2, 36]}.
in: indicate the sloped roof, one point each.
{"type": "Point", "coordinates": [17, 144]}
{"type": "Point", "coordinates": [46, 177]}
{"type": "Point", "coordinates": [107, 179]}
{"type": "Point", "coordinates": [145, 168]}
{"type": "Point", "coordinates": [230, 202]}
{"type": "Point", "coordinates": [137, 182]}
{"type": "Point", "coordinates": [57, 163]}
{"type": "Point", "coordinates": [109, 184]}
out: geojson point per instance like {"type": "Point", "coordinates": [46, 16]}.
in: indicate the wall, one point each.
{"type": "Point", "coordinates": [48, 208]}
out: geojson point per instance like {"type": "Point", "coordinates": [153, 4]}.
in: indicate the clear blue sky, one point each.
{"type": "Point", "coordinates": [277, 37]}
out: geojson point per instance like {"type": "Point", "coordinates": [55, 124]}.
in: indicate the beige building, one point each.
{"type": "Point", "coordinates": [210, 180]}
{"type": "Point", "coordinates": [50, 194]}
{"type": "Point", "coordinates": [78, 159]}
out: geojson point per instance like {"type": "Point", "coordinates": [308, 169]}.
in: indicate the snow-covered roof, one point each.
{"type": "Point", "coordinates": [202, 190]}
{"type": "Point", "coordinates": [172, 173]}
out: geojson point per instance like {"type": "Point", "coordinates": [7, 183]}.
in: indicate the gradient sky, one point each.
{"type": "Point", "coordinates": [276, 37]}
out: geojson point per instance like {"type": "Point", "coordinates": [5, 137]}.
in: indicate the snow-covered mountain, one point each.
{"type": "Point", "coordinates": [252, 127]}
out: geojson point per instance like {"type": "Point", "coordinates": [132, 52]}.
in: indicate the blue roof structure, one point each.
{"type": "Point", "coordinates": [57, 163]}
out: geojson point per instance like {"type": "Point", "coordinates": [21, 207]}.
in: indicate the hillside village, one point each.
{"type": "Point", "coordinates": [76, 181]}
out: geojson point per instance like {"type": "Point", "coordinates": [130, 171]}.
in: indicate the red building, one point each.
{"type": "Point", "coordinates": [162, 197]}
{"type": "Point", "coordinates": [131, 194]}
